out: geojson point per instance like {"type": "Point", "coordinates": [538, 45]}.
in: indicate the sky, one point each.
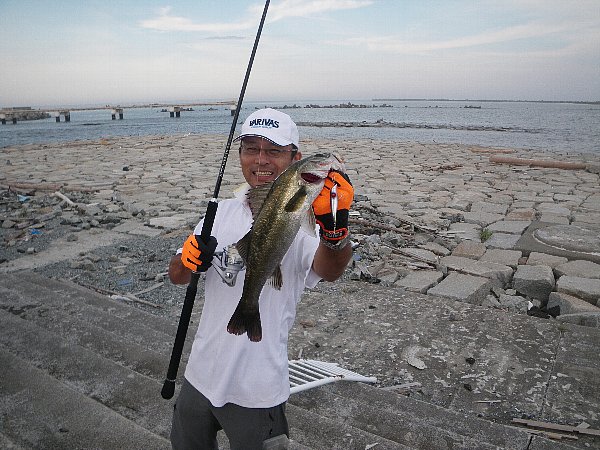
{"type": "Point", "coordinates": [58, 53]}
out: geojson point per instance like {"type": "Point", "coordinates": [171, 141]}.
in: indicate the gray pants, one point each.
{"type": "Point", "coordinates": [196, 423]}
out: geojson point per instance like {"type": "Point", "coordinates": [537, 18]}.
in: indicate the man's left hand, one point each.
{"type": "Point", "coordinates": [334, 231]}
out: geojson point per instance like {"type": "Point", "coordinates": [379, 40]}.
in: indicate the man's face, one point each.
{"type": "Point", "coordinates": [262, 161]}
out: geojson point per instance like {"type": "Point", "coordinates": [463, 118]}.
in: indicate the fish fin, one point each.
{"type": "Point", "coordinates": [243, 186]}
{"type": "Point", "coordinates": [256, 197]}
{"type": "Point", "coordinates": [309, 224]}
{"type": "Point", "coordinates": [243, 246]}
{"type": "Point", "coordinates": [276, 280]}
{"type": "Point", "coordinates": [297, 200]}
{"type": "Point", "coordinates": [243, 321]}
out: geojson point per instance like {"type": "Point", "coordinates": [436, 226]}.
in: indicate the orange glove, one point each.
{"type": "Point", "coordinates": [196, 255]}
{"type": "Point", "coordinates": [338, 194]}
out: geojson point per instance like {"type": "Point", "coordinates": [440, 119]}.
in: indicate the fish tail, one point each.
{"type": "Point", "coordinates": [245, 321]}
{"type": "Point", "coordinates": [237, 324]}
{"type": "Point", "coordinates": [254, 327]}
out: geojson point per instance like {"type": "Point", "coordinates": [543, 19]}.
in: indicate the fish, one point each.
{"type": "Point", "coordinates": [279, 210]}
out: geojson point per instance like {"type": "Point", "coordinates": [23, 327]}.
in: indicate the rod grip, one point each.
{"type": "Point", "coordinates": [209, 220]}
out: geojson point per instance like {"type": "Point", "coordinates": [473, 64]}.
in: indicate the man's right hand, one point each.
{"type": "Point", "coordinates": [196, 255]}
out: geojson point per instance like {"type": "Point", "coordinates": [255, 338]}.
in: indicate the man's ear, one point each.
{"type": "Point", "coordinates": [297, 156]}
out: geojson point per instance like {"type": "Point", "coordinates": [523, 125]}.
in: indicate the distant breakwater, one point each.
{"type": "Point", "coordinates": [384, 124]}
{"type": "Point", "coordinates": [340, 105]}
{"type": "Point", "coordinates": [22, 115]}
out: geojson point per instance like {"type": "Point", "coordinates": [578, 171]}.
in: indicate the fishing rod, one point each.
{"type": "Point", "coordinates": [168, 388]}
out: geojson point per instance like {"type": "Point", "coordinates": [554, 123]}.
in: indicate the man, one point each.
{"type": "Point", "coordinates": [230, 382]}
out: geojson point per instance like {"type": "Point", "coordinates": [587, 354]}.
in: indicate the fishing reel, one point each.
{"type": "Point", "coordinates": [228, 264]}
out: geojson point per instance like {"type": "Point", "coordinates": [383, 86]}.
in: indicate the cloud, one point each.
{"type": "Point", "coordinates": [533, 30]}
{"type": "Point", "coordinates": [285, 9]}
{"type": "Point", "coordinates": [223, 38]}
{"type": "Point", "coordinates": [167, 22]}
{"type": "Point", "coordinates": [306, 8]}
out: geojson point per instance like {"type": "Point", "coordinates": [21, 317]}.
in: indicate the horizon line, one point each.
{"type": "Point", "coordinates": [213, 102]}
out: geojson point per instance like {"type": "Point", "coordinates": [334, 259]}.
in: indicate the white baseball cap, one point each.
{"type": "Point", "coordinates": [273, 125]}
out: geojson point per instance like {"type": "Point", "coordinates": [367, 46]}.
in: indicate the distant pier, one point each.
{"type": "Point", "coordinates": [15, 114]}
{"type": "Point", "coordinates": [116, 111]}
{"type": "Point", "coordinates": [65, 113]}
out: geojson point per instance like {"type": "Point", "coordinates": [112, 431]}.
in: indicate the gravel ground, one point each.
{"type": "Point", "coordinates": [136, 266]}
{"type": "Point", "coordinates": [130, 267]}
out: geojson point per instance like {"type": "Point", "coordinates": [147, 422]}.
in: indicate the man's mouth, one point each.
{"type": "Point", "coordinates": [263, 173]}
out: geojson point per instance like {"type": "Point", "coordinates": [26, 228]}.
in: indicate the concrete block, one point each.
{"type": "Point", "coordinates": [482, 218]}
{"type": "Point", "coordinates": [587, 289]}
{"type": "Point", "coordinates": [569, 304]}
{"type": "Point", "coordinates": [436, 248]}
{"type": "Point", "coordinates": [133, 226]}
{"type": "Point", "coordinates": [586, 218]}
{"type": "Point", "coordinates": [583, 319]}
{"type": "Point", "coordinates": [499, 274]}
{"type": "Point", "coordinates": [499, 256]}
{"type": "Point", "coordinates": [469, 249]}
{"type": "Point", "coordinates": [460, 204]}
{"type": "Point", "coordinates": [465, 288]}
{"type": "Point", "coordinates": [522, 204]}
{"type": "Point", "coordinates": [509, 226]}
{"type": "Point", "coordinates": [553, 208]}
{"type": "Point", "coordinates": [534, 281]}
{"type": "Point", "coordinates": [420, 281]}
{"type": "Point", "coordinates": [491, 301]}
{"type": "Point", "coordinates": [544, 259]}
{"type": "Point", "coordinates": [502, 240]}
{"type": "Point", "coordinates": [578, 268]}
{"type": "Point", "coordinates": [387, 276]}
{"type": "Point", "coordinates": [513, 303]}
{"type": "Point", "coordinates": [521, 214]}
{"type": "Point", "coordinates": [489, 207]}
{"type": "Point", "coordinates": [171, 223]}
{"type": "Point", "coordinates": [554, 218]}
{"type": "Point", "coordinates": [421, 254]}
{"type": "Point", "coordinates": [468, 231]}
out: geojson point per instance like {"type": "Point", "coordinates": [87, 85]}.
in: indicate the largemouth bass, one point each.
{"type": "Point", "coordinates": [279, 210]}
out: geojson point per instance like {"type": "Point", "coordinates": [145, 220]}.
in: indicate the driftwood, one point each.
{"type": "Point", "coordinates": [151, 288]}
{"type": "Point", "coordinates": [490, 150]}
{"type": "Point", "coordinates": [29, 187]}
{"type": "Point", "coordinates": [443, 167]}
{"type": "Point", "coordinates": [407, 253]}
{"type": "Point", "coordinates": [537, 163]}
{"type": "Point", "coordinates": [557, 427]}
{"type": "Point", "coordinates": [119, 296]}
{"type": "Point", "coordinates": [552, 435]}
{"type": "Point", "coordinates": [369, 223]}
{"type": "Point", "coordinates": [64, 197]}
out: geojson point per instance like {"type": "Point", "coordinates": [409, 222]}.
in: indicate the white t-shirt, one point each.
{"type": "Point", "coordinates": [227, 368]}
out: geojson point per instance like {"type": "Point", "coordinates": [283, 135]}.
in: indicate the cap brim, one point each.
{"type": "Point", "coordinates": [241, 136]}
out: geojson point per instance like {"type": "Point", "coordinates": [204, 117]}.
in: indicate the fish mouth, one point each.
{"type": "Point", "coordinates": [311, 178]}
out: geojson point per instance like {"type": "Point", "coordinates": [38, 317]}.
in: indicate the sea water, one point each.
{"type": "Point", "coordinates": [551, 127]}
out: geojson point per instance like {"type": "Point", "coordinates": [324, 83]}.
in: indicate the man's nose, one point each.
{"type": "Point", "coordinates": [262, 155]}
